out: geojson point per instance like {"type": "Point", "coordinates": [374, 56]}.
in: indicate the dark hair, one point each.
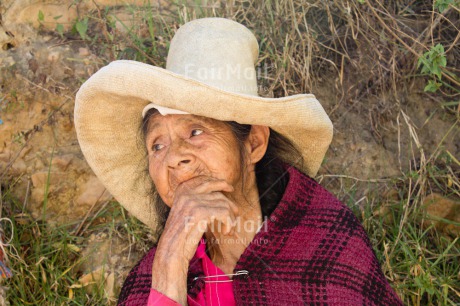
{"type": "Point", "coordinates": [271, 174]}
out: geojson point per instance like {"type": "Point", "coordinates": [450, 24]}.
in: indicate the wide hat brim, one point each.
{"type": "Point", "coordinates": [108, 114]}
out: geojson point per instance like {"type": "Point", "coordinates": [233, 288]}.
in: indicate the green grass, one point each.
{"type": "Point", "coordinates": [422, 262]}
{"type": "Point", "coordinates": [378, 44]}
{"type": "Point", "coordinates": [47, 261]}
{"type": "Point", "coordinates": [43, 260]}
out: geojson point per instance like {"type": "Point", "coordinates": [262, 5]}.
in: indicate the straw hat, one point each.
{"type": "Point", "coordinates": [210, 71]}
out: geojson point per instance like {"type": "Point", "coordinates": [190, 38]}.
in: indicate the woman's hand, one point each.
{"type": "Point", "coordinates": [198, 204]}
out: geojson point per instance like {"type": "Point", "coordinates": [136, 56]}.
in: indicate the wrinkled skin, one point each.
{"type": "Point", "coordinates": [195, 164]}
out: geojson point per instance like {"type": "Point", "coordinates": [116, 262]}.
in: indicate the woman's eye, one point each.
{"type": "Point", "coordinates": [157, 147]}
{"type": "Point", "coordinates": [196, 132]}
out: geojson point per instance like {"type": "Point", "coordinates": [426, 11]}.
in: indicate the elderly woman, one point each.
{"type": "Point", "coordinates": [228, 185]}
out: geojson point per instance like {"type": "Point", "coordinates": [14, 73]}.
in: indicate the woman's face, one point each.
{"type": "Point", "coordinates": [184, 147]}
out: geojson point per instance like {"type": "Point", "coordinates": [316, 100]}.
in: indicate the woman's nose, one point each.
{"type": "Point", "coordinates": [179, 154]}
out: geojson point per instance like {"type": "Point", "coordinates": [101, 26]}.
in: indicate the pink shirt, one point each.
{"type": "Point", "coordinates": [213, 293]}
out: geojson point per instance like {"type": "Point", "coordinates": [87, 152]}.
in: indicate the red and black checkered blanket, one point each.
{"type": "Point", "coordinates": [312, 251]}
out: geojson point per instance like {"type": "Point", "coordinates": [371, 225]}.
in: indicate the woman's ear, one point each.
{"type": "Point", "coordinates": [257, 143]}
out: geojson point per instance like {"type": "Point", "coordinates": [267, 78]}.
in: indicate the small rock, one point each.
{"type": "Point", "coordinates": [93, 191]}
{"type": "Point", "coordinates": [40, 179]}
{"type": "Point", "coordinates": [79, 71]}
{"type": "Point", "coordinates": [7, 61]}
{"type": "Point", "coordinates": [109, 287]}
{"type": "Point", "coordinates": [452, 229]}
{"type": "Point", "coordinates": [33, 65]}
{"type": "Point", "coordinates": [26, 150]}
{"type": "Point", "coordinates": [62, 162]}
{"type": "Point", "coordinates": [54, 56]}
{"type": "Point", "coordinates": [114, 260]}
{"type": "Point", "coordinates": [19, 166]}
{"type": "Point", "coordinates": [5, 156]}
{"type": "Point", "coordinates": [83, 51]}
{"type": "Point", "coordinates": [94, 277]}
{"type": "Point", "coordinates": [91, 281]}
{"type": "Point", "coordinates": [385, 213]}
{"type": "Point", "coordinates": [30, 74]}
{"type": "Point", "coordinates": [438, 207]}
{"type": "Point", "coordinates": [39, 164]}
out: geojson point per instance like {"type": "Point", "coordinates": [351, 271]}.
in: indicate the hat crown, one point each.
{"type": "Point", "coordinates": [218, 52]}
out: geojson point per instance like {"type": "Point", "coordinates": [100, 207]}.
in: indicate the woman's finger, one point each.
{"type": "Point", "coordinates": [203, 184]}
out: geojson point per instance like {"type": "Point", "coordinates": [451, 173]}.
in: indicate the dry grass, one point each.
{"type": "Point", "coordinates": [365, 48]}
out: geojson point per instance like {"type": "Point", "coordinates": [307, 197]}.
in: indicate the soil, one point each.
{"type": "Point", "coordinates": [376, 137]}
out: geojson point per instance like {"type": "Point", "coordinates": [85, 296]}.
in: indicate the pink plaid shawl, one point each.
{"type": "Point", "coordinates": [312, 251]}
